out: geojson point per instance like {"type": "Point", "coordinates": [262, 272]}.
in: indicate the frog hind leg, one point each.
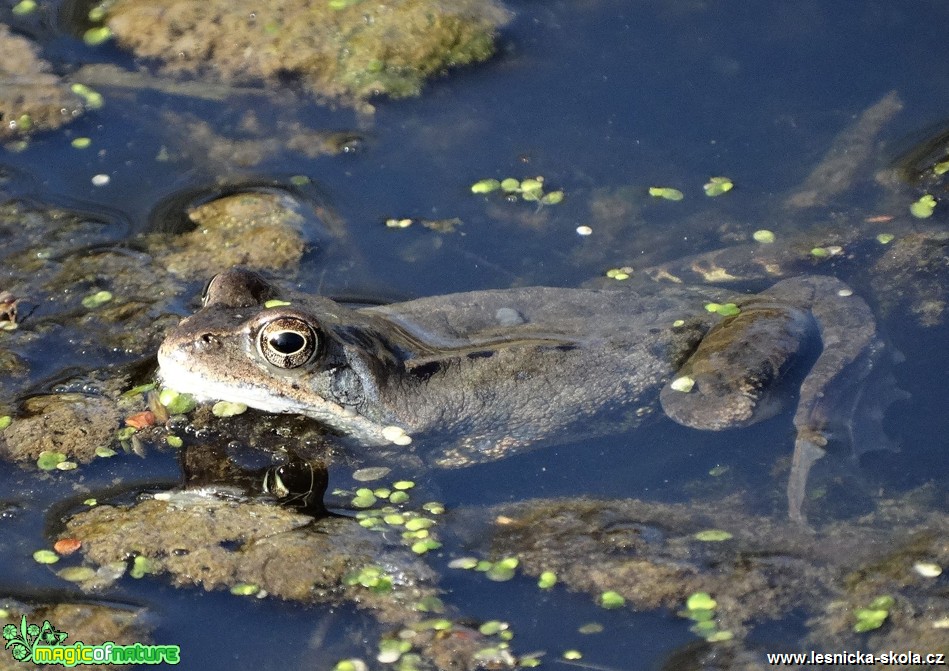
{"type": "Point", "coordinates": [732, 374]}
{"type": "Point", "coordinates": [850, 351]}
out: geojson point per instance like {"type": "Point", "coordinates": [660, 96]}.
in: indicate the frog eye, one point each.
{"type": "Point", "coordinates": [287, 342]}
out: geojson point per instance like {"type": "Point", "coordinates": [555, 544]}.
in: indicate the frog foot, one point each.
{"type": "Point", "coordinates": [731, 378]}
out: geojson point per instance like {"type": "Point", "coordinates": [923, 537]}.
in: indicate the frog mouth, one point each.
{"type": "Point", "coordinates": [175, 374]}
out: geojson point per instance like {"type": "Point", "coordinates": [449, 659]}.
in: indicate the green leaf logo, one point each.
{"type": "Point", "coordinates": [22, 640]}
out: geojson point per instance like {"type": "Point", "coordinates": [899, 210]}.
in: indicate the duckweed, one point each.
{"type": "Point", "coordinates": [419, 523]}
{"type": "Point", "coordinates": [683, 384]}
{"type": "Point", "coordinates": [885, 238]}
{"type": "Point", "coordinates": [92, 99]}
{"type": "Point", "coordinates": [354, 664]}
{"type": "Point", "coordinates": [45, 557]}
{"type": "Point", "coordinates": [97, 299]}
{"type": "Point", "coordinates": [77, 573]}
{"type": "Point", "coordinates": [712, 535]}
{"type": "Point", "coordinates": [371, 577]}
{"type": "Point", "coordinates": [342, 4]}
{"type": "Point", "coordinates": [5, 421]}
{"type": "Point", "coordinates": [24, 7]}
{"type": "Point", "coordinates": [923, 208]}
{"type": "Point", "coordinates": [391, 649]}
{"type": "Point", "coordinates": [619, 274]}
{"type": "Point", "coordinates": [928, 569]}
{"type": "Point", "coordinates": [611, 599]}
{"type": "Point", "coordinates": [142, 566]}
{"type": "Point", "coordinates": [492, 627]}
{"type": "Point", "coordinates": [572, 654]}
{"type": "Point", "coordinates": [874, 615]}
{"type": "Point", "coordinates": [425, 545]}
{"type": "Point", "coordinates": [510, 185]}
{"type": "Point", "coordinates": [666, 193]}
{"type": "Point", "coordinates": [433, 507]}
{"type": "Point", "coordinates": [718, 636]}
{"type": "Point", "coordinates": [49, 460]}
{"type": "Point", "coordinates": [174, 441]}
{"type": "Point", "coordinates": [105, 452]}
{"type": "Point", "coordinates": [80, 143]}
{"type": "Point", "coordinates": [701, 601]}
{"type": "Point", "coordinates": [245, 589]}
{"type": "Point", "coordinates": [530, 189]}
{"type": "Point", "coordinates": [396, 435]}
{"type": "Point", "coordinates": [485, 186]}
{"type": "Point", "coordinates": [716, 186]}
{"type": "Point", "coordinates": [547, 580]}
{"type": "Point", "coordinates": [502, 570]}
{"type": "Point", "coordinates": [700, 608]}
{"type": "Point", "coordinates": [725, 310]}
{"type": "Point", "coordinates": [97, 35]}
{"type": "Point", "coordinates": [439, 624]}
{"type": "Point", "coordinates": [125, 433]}
{"type": "Point", "coordinates": [590, 628]}
{"type": "Point", "coordinates": [176, 403]}
{"type": "Point", "coordinates": [364, 498]}
{"type": "Point", "coordinates": [763, 236]}
{"type": "Point", "coordinates": [398, 497]}
{"type": "Point", "coordinates": [228, 409]}
{"type": "Point", "coordinates": [463, 563]}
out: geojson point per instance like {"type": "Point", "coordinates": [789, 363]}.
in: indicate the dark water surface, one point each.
{"type": "Point", "coordinates": [595, 95]}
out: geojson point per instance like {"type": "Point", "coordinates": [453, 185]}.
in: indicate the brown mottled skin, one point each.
{"type": "Point", "coordinates": [486, 372]}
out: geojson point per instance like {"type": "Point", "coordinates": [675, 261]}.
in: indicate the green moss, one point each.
{"type": "Point", "coordinates": [340, 48]}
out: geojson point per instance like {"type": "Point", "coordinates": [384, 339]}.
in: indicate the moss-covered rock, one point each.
{"type": "Point", "coordinates": [260, 230]}
{"type": "Point", "coordinates": [31, 96]}
{"type": "Point", "coordinates": [349, 50]}
{"type": "Point", "coordinates": [232, 543]}
{"type": "Point", "coordinates": [73, 425]}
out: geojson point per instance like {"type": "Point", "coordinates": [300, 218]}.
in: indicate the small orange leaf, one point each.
{"type": "Point", "coordinates": [140, 420]}
{"type": "Point", "coordinates": [879, 219]}
{"type": "Point", "coordinates": [67, 546]}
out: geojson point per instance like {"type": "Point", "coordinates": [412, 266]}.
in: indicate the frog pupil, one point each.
{"type": "Point", "coordinates": [287, 342]}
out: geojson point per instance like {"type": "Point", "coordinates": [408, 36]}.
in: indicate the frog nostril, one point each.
{"type": "Point", "coordinates": [209, 340]}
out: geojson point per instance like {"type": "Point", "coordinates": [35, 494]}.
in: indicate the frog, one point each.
{"type": "Point", "coordinates": [482, 374]}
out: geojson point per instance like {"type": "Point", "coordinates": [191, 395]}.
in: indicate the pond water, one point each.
{"type": "Point", "coordinates": [603, 98]}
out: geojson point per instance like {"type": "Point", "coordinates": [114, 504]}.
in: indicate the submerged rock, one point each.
{"type": "Point", "coordinates": [748, 569]}
{"type": "Point", "coordinates": [89, 623]}
{"type": "Point", "coordinates": [229, 543]}
{"type": "Point", "coordinates": [73, 425]}
{"type": "Point", "coordinates": [347, 49]}
{"type": "Point", "coordinates": [255, 229]}
{"type": "Point", "coordinates": [31, 96]}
